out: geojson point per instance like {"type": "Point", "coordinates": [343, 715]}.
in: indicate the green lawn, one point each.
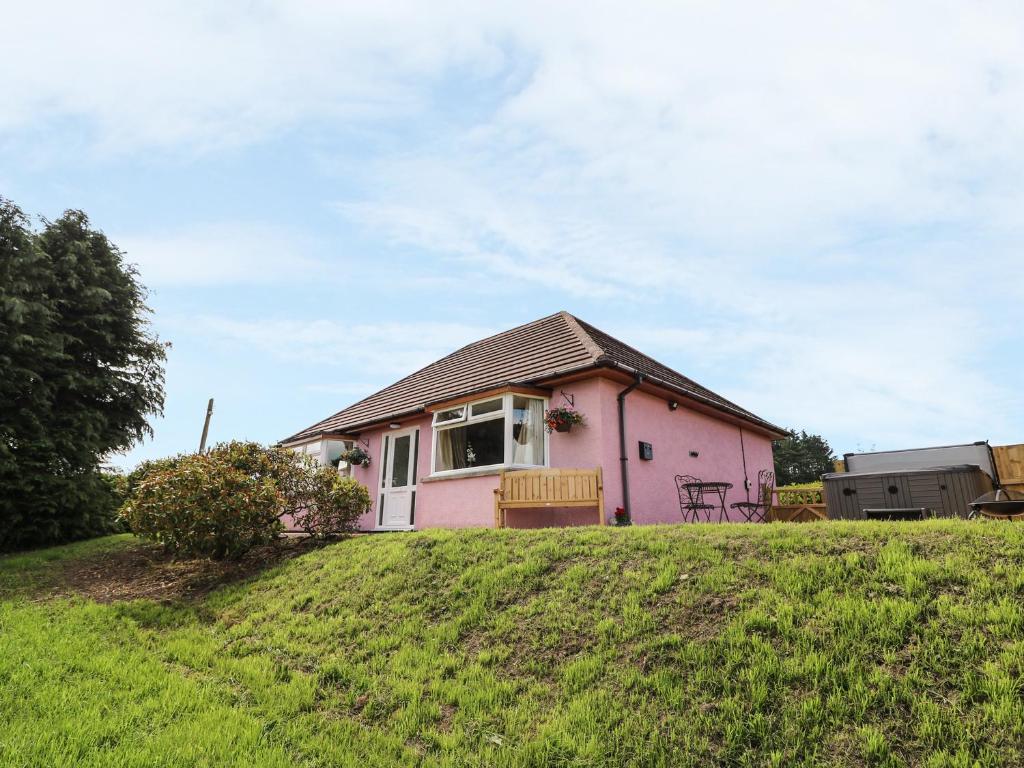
{"type": "Point", "coordinates": [826, 644]}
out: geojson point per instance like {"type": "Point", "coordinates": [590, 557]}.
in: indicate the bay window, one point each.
{"type": "Point", "coordinates": [527, 431]}
{"type": "Point", "coordinates": [327, 452]}
{"type": "Point", "coordinates": [504, 431]}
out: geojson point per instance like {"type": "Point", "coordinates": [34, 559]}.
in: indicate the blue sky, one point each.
{"type": "Point", "coordinates": [814, 209]}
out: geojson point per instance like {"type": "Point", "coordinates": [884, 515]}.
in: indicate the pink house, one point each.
{"type": "Point", "coordinates": [438, 439]}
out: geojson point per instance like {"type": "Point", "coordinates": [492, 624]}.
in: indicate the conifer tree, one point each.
{"type": "Point", "coordinates": [80, 373]}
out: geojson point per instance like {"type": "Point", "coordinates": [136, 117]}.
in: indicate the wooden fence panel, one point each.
{"type": "Point", "coordinates": [797, 505]}
{"type": "Point", "coordinates": [1010, 465]}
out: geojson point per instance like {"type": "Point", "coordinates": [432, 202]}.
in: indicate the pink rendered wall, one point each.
{"type": "Point", "coordinates": [595, 444]}
{"type": "Point", "coordinates": [673, 434]}
{"type": "Point", "coordinates": [456, 503]}
{"type": "Point", "coordinates": [370, 476]}
{"type": "Point", "coordinates": [469, 502]}
{"type": "Point", "coordinates": [580, 448]}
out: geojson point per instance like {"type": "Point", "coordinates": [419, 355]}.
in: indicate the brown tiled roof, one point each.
{"type": "Point", "coordinates": [527, 355]}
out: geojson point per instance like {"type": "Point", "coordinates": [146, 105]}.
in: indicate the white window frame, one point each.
{"type": "Point", "coordinates": [320, 448]}
{"type": "Point", "coordinates": [384, 484]}
{"type": "Point", "coordinates": [456, 420]}
{"type": "Point", "coordinates": [472, 406]}
{"type": "Point", "coordinates": [467, 418]}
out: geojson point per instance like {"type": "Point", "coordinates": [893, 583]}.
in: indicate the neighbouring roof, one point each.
{"type": "Point", "coordinates": [528, 355]}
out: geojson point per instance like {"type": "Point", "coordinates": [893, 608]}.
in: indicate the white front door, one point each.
{"type": "Point", "coordinates": [397, 505]}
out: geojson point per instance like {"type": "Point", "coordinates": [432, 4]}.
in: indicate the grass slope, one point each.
{"type": "Point", "coordinates": [826, 644]}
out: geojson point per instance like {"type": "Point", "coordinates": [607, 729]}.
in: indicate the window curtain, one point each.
{"type": "Point", "coordinates": [451, 448]}
{"type": "Point", "coordinates": [528, 447]}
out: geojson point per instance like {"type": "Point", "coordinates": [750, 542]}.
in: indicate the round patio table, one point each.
{"type": "Point", "coordinates": [718, 491]}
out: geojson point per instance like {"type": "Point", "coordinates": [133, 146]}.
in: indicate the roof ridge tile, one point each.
{"type": "Point", "coordinates": [576, 326]}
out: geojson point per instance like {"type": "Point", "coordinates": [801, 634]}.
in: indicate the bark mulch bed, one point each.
{"type": "Point", "coordinates": [145, 571]}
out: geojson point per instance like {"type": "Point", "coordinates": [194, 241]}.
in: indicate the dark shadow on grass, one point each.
{"type": "Point", "coordinates": [143, 570]}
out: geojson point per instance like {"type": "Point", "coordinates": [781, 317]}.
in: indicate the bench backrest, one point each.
{"type": "Point", "coordinates": [551, 485]}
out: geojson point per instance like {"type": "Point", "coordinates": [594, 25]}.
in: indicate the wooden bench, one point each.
{"type": "Point", "coordinates": [537, 488]}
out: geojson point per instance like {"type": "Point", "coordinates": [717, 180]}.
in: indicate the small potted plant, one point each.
{"type": "Point", "coordinates": [620, 517]}
{"type": "Point", "coordinates": [356, 456]}
{"type": "Point", "coordinates": [562, 419]}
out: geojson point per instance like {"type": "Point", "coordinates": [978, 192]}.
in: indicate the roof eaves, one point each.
{"type": "Point", "coordinates": [717, 405]}
{"type": "Point", "coordinates": [352, 428]}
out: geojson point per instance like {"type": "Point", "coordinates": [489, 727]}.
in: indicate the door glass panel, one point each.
{"type": "Point", "coordinates": [400, 462]}
{"type": "Point", "coordinates": [415, 454]}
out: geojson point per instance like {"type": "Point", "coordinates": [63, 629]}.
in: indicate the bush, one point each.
{"type": "Point", "coordinates": [144, 469]}
{"type": "Point", "coordinates": [223, 503]}
{"type": "Point", "coordinates": [201, 505]}
{"type": "Point", "coordinates": [320, 502]}
{"type": "Point", "coordinates": [331, 504]}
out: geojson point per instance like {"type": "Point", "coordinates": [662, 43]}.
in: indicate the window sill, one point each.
{"type": "Point", "coordinates": [460, 474]}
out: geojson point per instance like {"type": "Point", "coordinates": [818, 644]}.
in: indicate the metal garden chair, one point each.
{"type": "Point", "coordinates": [756, 511]}
{"type": "Point", "coordinates": [691, 500]}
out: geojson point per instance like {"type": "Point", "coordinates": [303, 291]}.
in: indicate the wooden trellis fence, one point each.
{"type": "Point", "coordinates": [797, 505]}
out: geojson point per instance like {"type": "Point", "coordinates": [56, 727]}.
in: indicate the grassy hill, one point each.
{"type": "Point", "coordinates": [826, 644]}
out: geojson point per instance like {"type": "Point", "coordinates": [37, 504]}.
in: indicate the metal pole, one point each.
{"type": "Point", "coordinates": [206, 426]}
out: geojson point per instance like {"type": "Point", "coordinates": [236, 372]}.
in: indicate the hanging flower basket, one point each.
{"type": "Point", "coordinates": [357, 457]}
{"type": "Point", "coordinates": [562, 419]}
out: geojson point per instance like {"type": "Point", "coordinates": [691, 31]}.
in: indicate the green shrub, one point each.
{"type": "Point", "coordinates": [319, 501]}
{"type": "Point", "coordinates": [201, 505]}
{"type": "Point", "coordinates": [223, 503]}
{"type": "Point", "coordinates": [331, 505]}
{"type": "Point", "coordinates": [143, 469]}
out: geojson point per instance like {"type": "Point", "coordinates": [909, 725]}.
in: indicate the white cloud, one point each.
{"type": "Point", "coordinates": [701, 140]}
{"type": "Point", "coordinates": [225, 253]}
{"type": "Point", "coordinates": [731, 126]}
{"type": "Point", "coordinates": [908, 375]}
{"type": "Point", "coordinates": [169, 75]}
{"type": "Point", "coordinates": [489, 236]}
{"type": "Point", "coordinates": [351, 353]}
{"type": "Point", "coordinates": [824, 197]}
